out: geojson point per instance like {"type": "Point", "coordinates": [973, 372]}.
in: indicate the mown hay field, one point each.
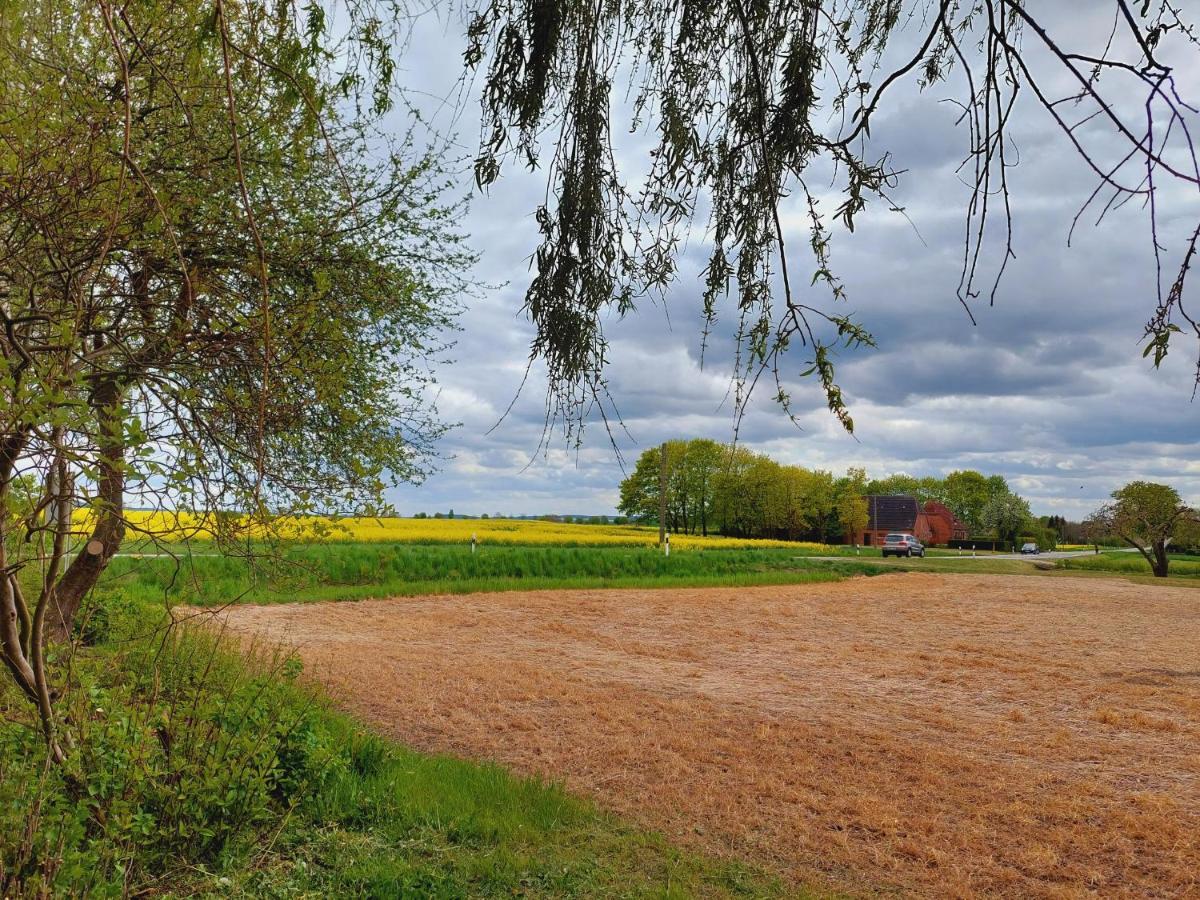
{"type": "Point", "coordinates": [507, 532]}
{"type": "Point", "coordinates": [912, 734]}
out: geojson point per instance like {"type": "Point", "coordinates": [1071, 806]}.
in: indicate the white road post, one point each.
{"type": "Point", "coordinates": [667, 544]}
{"type": "Point", "coordinates": [472, 543]}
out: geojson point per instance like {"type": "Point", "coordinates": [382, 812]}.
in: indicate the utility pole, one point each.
{"type": "Point", "coordinates": [662, 495]}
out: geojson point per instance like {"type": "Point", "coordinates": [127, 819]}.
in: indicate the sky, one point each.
{"type": "Point", "coordinates": [1048, 387]}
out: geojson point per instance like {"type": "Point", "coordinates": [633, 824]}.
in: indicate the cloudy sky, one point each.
{"type": "Point", "coordinates": [1048, 388]}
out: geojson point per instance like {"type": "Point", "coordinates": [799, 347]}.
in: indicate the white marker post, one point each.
{"type": "Point", "coordinates": [472, 543]}
{"type": "Point", "coordinates": [667, 544]}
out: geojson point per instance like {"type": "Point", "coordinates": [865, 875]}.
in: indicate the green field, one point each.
{"type": "Point", "coordinates": [199, 575]}
{"type": "Point", "coordinates": [344, 571]}
{"type": "Point", "coordinates": [1132, 564]}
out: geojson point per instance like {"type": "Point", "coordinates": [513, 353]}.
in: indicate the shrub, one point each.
{"type": "Point", "coordinates": [181, 754]}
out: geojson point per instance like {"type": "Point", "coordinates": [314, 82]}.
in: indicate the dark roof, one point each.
{"type": "Point", "coordinates": [891, 513]}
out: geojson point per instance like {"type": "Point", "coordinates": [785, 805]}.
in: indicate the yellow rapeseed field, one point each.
{"type": "Point", "coordinates": [178, 526]}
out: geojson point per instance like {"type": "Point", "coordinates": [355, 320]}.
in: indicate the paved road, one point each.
{"type": "Point", "coordinates": [1056, 554]}
{"type": "Point", "coordinates": [966, 554]}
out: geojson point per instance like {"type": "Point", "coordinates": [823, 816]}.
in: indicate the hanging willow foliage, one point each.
{"type": "Point", "coordinates": [744, 98]}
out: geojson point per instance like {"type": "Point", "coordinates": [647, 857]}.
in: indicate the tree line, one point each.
{"type": "Point", "coordinates": [715, 487]}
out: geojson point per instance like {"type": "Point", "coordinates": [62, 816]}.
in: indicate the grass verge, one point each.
{"type": "Point", "coordinates": [1133, 564]}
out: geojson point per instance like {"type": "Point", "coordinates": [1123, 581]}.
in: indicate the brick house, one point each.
{"type": "Point", "coordinates": [932, 523]}
{"type": "Point", "coordinates": [944, 525]}
{"type": "Point", "coordinates": [886, 514]}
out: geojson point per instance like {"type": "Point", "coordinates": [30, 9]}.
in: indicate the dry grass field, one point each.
{"type": "Point", "coordinates": [920, 733]}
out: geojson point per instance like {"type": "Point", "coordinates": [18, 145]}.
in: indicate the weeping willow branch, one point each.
{"type": "Point", "coordinates": [745, 98]}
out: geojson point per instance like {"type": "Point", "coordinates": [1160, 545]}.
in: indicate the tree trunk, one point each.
{"type": "Point", "coordinates": [95, 555]}
{"type": "Point", "coordinates": [14, 625]}
{"type": "Point", "coordinates": [1160, 562]}
{"type": "Point", "coordinates": [662, 494]}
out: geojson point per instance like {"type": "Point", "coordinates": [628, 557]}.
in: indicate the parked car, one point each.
{"type": "Point", "coordinates": [900, 544]}
{"type": "Point", "coordinates": [1030, 548]}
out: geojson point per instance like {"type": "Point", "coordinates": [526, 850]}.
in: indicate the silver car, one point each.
{"type": "Point", "coordinates": [902, 544]}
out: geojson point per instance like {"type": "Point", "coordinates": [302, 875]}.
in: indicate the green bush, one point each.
{"type": "Point", "coordinates": [180, 752]}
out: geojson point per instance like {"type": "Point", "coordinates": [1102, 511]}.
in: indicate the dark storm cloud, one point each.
{"type": "Point", "coordinates": [1047, 388]}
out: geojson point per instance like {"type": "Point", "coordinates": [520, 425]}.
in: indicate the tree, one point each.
{"type": "Point", "coordinates": [733, 504]}
{"type": "Point", "coordinates": [1005, 516]}
{"type": "Point", "coordinates": [1187, 534]}
{"type": "Point", "coordinates": [703, 459]}
{"type": "Point", "coordinates": [924, 488]}
{"type": "Point", "coordinates": [639, 490]}
{"type": "Point", "coordinates": [787, 514]}
{"type": "Point", "coordinates": [820, 499]}
{"type": "Point", "coordinates": [967, 493]}
{"type": "Point", "coordinates": [1147, 516]}
{"type": "Point", "coordinates": [739, 96]}
{"type": "Point", "coordinates": [219, 291]}
{"type": "Point", "coordinates": [690, 470]}
{"type": "Point", "coordinates": [852, 511]}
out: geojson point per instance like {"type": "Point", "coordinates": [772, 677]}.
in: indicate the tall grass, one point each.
{"type": "Point", "coordinates": [1132, 564]}
{"type": "Point", "coordinates": [348, 571]}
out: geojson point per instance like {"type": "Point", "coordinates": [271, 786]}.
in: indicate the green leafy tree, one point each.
{"type": "Point", "coordinates": [639, 490]}
{"type": "Point", "coordinates": [852, 510]}
{"type": "Point", "coordinates": [1186, 536]}
{"type": "Point", "coordinates": [820, 501]}
{"type": "Point", "coordinates": [899, 484]}
{"type": "Point", "coordinates": [967, 493]}
{"type": "Point", "coordinates": [787, 513]}
{"type": "Point", "coordinates": [1146, 516]}
{"type": "Point", "coordinates": [691, 467]}
{"type": "Point", "coordinates": [704, 460]}
{"type": "Point", "coordinates": [220, 291]}
{"type": "Point", "coordinates": [734, 508]}
{"type": "Point", "coordinates": [1005, 516]}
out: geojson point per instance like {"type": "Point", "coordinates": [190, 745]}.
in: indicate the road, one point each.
{"type": "Point", "coordinates": [966, 554]}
